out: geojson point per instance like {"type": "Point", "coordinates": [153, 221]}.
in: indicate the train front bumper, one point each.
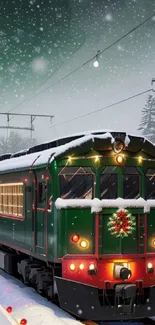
{"type": "Point", "coordinates": [87, 302]}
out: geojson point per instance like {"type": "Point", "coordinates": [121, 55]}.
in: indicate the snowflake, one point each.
{"type": "Point", "coordinates": [37, 49]}
{"type": "Point", "coordinates": [120, 48]}
{"type": "Point", "coordinates": [108, 17]}
{"type": "Point", "coordinates": [39, 65]}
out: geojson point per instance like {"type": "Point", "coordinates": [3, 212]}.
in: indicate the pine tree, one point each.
{"type": "Point", "coordinates": [14, 143]}
{"type": "Point", "coordinates": [147, 124]}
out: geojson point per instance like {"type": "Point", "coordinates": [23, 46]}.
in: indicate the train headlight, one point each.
{"type": "Point", "coordinates": [81, 266]}
{"type": "Point", "coordinates": [84, 244]}
{"type": "Point", "coordinates": [92, 269]}
{"type": "Point", "coordinates": [150, 268]}
{"type": "Point", "coordinates": [122, 272]}
{"type": "Point", "coordinates": [119, 160]}
{"type": "Point", "coordinates": [72, 267]}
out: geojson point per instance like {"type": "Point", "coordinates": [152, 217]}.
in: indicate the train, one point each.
{"type": "Point", "coordinates": [77, 222]}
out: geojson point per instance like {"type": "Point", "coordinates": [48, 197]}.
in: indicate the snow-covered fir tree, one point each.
{"type": "Point", "coordinates": [147, 124]}
{"type": "Point", "coordinates": [14, 143]}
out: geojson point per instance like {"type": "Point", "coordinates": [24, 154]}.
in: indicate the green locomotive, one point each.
{"type": "Point", "coordinates": [77, 220]}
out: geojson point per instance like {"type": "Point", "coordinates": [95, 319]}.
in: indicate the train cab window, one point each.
{"type": "Point", "coordinates": [108, 183]}
{"type": "Point", "coordinates": [131, 183]}
{"type": "Point", "coordinates": [150, 184]}
{"type": "Point", "coordinates": [76, 183]}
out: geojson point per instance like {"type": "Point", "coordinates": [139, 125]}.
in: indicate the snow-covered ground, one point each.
{"type": "Point", "coordinates": [27, 304]}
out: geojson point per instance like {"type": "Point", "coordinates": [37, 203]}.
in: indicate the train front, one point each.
{"type": "Point", "coordinates": [107, 231]}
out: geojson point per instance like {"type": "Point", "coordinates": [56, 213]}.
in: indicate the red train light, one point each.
{"type": "Point", "coordinates": [75, 238]}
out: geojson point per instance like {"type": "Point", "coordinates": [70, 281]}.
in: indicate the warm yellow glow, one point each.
{"type": "Point", "coordinates": [72, 267]}
{"type": "Point", "coordinates": [119, 159]}
{"type": "Point", "coordinates": [149, 265]}
{"type": "Point", "coordinates": [140, 158]}
{"type": "Point", "coordinates": [11, 199]}
{"type": "Point", "coordinates": [97, 158]}
{"type": "Point", "coordinates": [84, 244]}
{"type": "Point", "coordinates": [11, 184]}
{"type": "Point", "coordinates": [92, 267]}
{"type": "Point", "coordinates": [153, 242]}
{"type": "Point", "coordinates": [69, 159]}
{"type": "Point", "coordinates": [81, 266]}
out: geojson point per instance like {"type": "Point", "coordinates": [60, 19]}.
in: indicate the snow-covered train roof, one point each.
{"type": "Point", "coordinates": [99, 141]}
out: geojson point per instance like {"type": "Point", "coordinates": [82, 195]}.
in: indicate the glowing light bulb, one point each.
{"type": "Point", "coordinates": [84, 244]}
{"type": "Point", "coordinates": [119, 160]}
{"type": "Point", "coordinates": [97, 158]}
{"type": "Point", "coordinates": [149, 265]}
{"type": "Point", "coordinates": [91, 266]}
{"type": "Point", "coordinates": [140, 159]}
{"type": "Point", "coordinates": [75, 238]}
{"type": "Point", "coordinates": [81, 266]}
{"type": "Point", "coordinates": [96, 64]}
{"type": "Point", "coordinates": [72, 267]}
{"type": "Point", "coordinates": [153, 242]}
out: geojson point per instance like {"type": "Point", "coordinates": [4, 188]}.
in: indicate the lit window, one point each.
{"type": "Point", "coordinates": [11, 199]}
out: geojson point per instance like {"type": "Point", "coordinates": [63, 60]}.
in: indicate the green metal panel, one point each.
{"type": "Point", "coordinates": [110, 244]}
{"type": "Point", "coordinates": [75, 221]}
{"type": "Point", "coordinates": [151, 231]}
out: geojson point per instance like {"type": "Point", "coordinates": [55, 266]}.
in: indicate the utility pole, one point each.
{"type": "Point", "coordinates": [28, 128]}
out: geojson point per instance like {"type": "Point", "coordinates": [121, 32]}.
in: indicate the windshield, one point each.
{"type": "Point", "coordinates": [76, 183]}
{"type": "Point", "coordinates": [150, 184]}
{"type": "Point", "coordinates": [131, 183]}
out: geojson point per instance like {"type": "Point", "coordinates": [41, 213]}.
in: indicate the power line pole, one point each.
{"type": "Point", "coordinates": [30, 128]}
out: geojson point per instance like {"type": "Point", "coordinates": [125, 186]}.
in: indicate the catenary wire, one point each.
{"type": "Point", "coordinates": [82, 65]}
{"type": "Point", "coordinates": [103, 108]}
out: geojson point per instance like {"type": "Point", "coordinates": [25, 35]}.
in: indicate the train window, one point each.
{"type": "Point", "coordinates": [108, 183]}
{"type": "Point", "coordinates": [131, 183]}
{"type": "Point", "coordinates": [150, 184]}
{"type": "Point", "coordinates": [76, 183]}
{"type": "Point", "coordinates": [11, 199]}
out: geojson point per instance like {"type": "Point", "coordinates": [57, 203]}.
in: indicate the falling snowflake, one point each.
{"type": "Point", "coordinates": [13, 67]}
{"type": "Point", "coordinates": [39, 65]}
{"type": "Point", "coordinates": [108, 17]}
{"type": "Point", "coordinates": [120, 48]}
{"type": "Point", "coordinates": [37, 49]}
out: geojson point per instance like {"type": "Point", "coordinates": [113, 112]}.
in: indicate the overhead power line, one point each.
{"type": "Point", "coordinates": [34, 92]}
{"type": "Point", "coordinates": [84, 64]}
{"type": "Point", "coordinates": [103, 108]}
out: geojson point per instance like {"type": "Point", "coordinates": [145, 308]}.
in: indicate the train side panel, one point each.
{"type": "Point", "coordinates": [16, 210]}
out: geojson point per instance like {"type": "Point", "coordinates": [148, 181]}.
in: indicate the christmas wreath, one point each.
{"type": "Point", "coordinates": [122, 223]}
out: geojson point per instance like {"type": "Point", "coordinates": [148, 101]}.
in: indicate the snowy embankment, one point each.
{"type": "Point", "coordinates": [28, 307]}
